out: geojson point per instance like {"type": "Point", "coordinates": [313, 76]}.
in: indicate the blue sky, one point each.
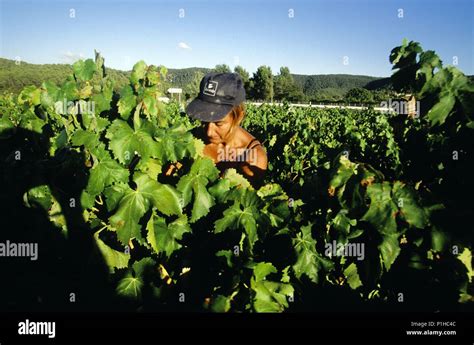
{"type": "Point", "coordinates": [249, 33]}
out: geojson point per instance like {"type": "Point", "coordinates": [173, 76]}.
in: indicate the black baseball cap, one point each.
{"type": "Point", "coordinates": [218, 94]}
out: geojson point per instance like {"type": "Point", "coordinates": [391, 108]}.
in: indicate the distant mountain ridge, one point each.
{"type": "Point", "coordinates": [13, 77]}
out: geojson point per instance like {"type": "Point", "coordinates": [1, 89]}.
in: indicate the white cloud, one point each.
{"type": "Point", "coordinates": [183, 45]}
{"type": "Point", "coordinates": [70, 57]}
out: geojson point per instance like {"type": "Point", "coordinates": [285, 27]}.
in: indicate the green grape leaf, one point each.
{"type": "Point", "coordinates": [342, 223]}
{"type": "Point", "coordinates": [227, 254]}
{"type": "Point", "coordinates": [127, 102]}
{"type": "Point", "coordinates": [39, 195]}
{"type": "Point", "coordinates": [220, 304]}
{"type": "Point", "coordinates": [275, 206]}
{"type": "Point", "coordinates": [6, 127]}
{"type": "Point", "coordinates": [56, 216]}
{"type": "Point", "coordinates": [86, 138]}
{"type": "Point", "coordinates": [194, 184]}
{"type": "Point", "coordinates": [382, 210]}
{"type": "Point", "coordinates": [30, 95]}
{"type": "Point", "coordinates": [352, 276]}
{"type": "Point", "coordinates": [198, 147]}
{"type": "Point", "coordinates": [309, 261]}
{"type": "Point", "coordinates": [113, 258]}
{"type": "Point", "coordinates": [439, 239]}
{"type": "Point", "coordinates": [91, 142]}
{"type": "Point", "coordinates": [344, 169]}
{"type": "Point", "coordinates": [102, 100]}
{"type": "Point", "coordinates": [102, 103]}
{"type": "Point", "coordinates": [85, 92]}
{"type": "Point", "coordinates": [164, 238]}
{"type": "Point", "coordinates": [269, 296]}
{"type": "Point", "coordinates": [174, 144]}
{"type": "Point", "coordinates": [104, 173]}
{"type": "Point", "coordinates": [152, 167]}
{"type": "Point", "coordinates": [441, 110]}
{"type": "Point", "coordinates": [236, 217]}
{"type": "Point", "coordinates": [58, 141]}
{"type": "Point", "coordinates": [49, 95]}
{"type": "Point", "coordinates": [68, 93]}
{"type": "Point", "coordinates": [84, 69]}
{"type": "Point", "coordinates": [167, 199]}
{"type": "Point", "coordinates": [236, 179]}
{"type": "Point", "coordinates": [130, 287]}
{"type": "Point", "coordinates": [272, 191]}
{"type": "Point", "coordinates": [150, 102]}
{"type": "Point", "coordinates": [138, 72]}
{"type": "Point", "coordinates": [153, 75]}
{"type": "Point", "coordinates": [263, 269]}
{"type": "Point", "coordinates": [135, 203]}
{"type": "Point", "coordinates": [466, 258]}
{"type": "Point", "coordinates": [132, 207]}
{"type": "Point", "coordinates": [87, 200]}
{"type": "Point", "coordinates": [132, 284]}
{"type": "Point", "coordinates": [389, 250]}
{"type": "Point", "coordinates": [429, 60]}
{"type": "Point", "coordinates": [220, 189]}
{"type": "Point", "coordinates": [124, 142]}
{"type": "Point", "coordinates": [114, 194]}
{"type": "Point", "coordinates": [143, 267]}
{"type": "Point", "coordinates": [203, 201]}
{"type": "Point", "coordinates": [411, 211]}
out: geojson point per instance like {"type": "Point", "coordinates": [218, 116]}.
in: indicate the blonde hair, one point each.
{"type": "Point", "coordinates": [238, 114]}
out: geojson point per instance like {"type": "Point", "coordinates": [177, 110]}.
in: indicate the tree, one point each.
{"type": "Point", "coordinates": [382, 95]}
{"type": "Point", "coordinates": [223, 68]}
{"type": "Point", "coordinates": [327, 95]}
{"type": "Point", "coordinates": [359, 95]}
{"type": "Point", "coordinates": [295, 94]}
{"type": "Point", "coordinates": [285, 87]}
{"type": "Point", "coordinates": [243, 73]}
{"type": "Point", "coordinates": [245, 78]}
{"type": "Point", "coordinates": [283, 82]}
{"type": "Point", "coordinates": [192, 89]}
{"type": "Point", "coordinates": [263, 83]}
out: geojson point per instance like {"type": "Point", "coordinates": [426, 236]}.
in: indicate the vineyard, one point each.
{"type": "Point", "coordinates": [359, 210]}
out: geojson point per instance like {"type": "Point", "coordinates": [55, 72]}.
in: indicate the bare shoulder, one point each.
{"type": "Point", "coordinates": [259, 154]}
{"type": "Point", "coordinates": [245, 137]}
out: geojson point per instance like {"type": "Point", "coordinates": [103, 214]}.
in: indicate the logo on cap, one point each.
{"type": "Point", "coordinates": [210, 88]}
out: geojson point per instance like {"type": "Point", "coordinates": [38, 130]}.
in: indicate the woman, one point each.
{"type": "Point", "coordinates": [220, 107]}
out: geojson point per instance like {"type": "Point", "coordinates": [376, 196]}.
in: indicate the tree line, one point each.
{"type": "Point", "coordinates": [262, 85]}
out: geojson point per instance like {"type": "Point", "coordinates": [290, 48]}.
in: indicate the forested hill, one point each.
{"type": "Point", "coordinates": [184, 76]}
{"type": "Point", "coordinates": [334, 85]}
{"type": "Point", "coordinates": [322, 81]}
{"type": "Point", "coordinates": [13, 77]}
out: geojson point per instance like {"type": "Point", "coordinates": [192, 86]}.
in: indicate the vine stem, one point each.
{"type": "Point", "coordinates": [102, 228]}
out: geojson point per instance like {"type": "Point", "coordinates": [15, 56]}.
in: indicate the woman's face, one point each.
{"type": "Point", "coordinates": [219, 132]}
